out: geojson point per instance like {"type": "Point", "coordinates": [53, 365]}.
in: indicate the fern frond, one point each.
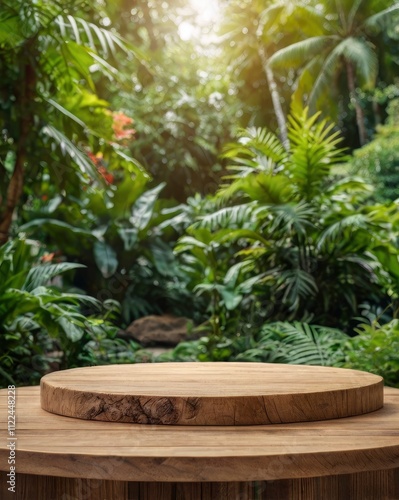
{"type": "Point", "coordinates": [304, 344]}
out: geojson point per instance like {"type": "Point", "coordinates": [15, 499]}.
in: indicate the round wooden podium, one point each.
{"type": "Point", "coordinates": [209, 431]}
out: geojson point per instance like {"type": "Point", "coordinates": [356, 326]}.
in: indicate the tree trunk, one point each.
{"type": "Point", "coordinates": [278, 109]}
{"type": "Point", "coordinates": [360, 121]}
{"type": "Point", "coordinates": [15, 187]}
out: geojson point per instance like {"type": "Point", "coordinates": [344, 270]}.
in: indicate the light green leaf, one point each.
{"type": "Point", "coordinates": [143, 208]}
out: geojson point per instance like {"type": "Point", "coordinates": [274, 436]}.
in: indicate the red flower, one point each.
{"type": "Point", "coordinates": [109, 178]}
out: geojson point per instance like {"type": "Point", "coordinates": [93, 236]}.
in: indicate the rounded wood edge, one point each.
{"type": "Point", "coordinates": [210, 411]}
{"type": "Point", "coordinates": [205, 469]}
{"type": "Point", "coordinates": [248, 467]}
{"type": "Point", "coordinates": [219, 411]}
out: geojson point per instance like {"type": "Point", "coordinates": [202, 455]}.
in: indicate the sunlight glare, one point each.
{"type": "Point", "coordinates": [206, 12]}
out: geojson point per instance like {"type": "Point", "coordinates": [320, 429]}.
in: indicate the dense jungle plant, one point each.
{"type": "Point", "coordinates": [378, 161]}
{"type": "Point", "coordinates": [376, 349]}
{"type": "Point", "coordinates": [291, 241]}
{"type": "Point", "coordinates": [52, 117]}
{"type": "Point", "coordinates": [42, 327]}
{"type": "Point", "coordinates": [280, 342]}
{"type": "Point", "coordinates": [122, 236]}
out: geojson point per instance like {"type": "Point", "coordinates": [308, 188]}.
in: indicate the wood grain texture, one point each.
{"type": "Point", "coordinates": [53, 445]}
{"type": "Point", "coordinates": [378, 485]}
{"type": "Point", "coordinates": [210, 393]}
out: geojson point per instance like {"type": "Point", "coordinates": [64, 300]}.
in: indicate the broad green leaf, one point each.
{"type": "Point", "coordinates": [230, 298]}
{"type": "Point", "coordinates": [72, 331]}
{"type": "Point", "coordinates": [106, 258]}
{"type": "Point", "coordinates": [129, 236]}
{"type": "Point", "coordinates": [143, 208]}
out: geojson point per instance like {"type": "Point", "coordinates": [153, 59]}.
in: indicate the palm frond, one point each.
{"type": "Point", "coordinates": [68, 148]}
{"type": "Point", "coordinates": [323, 79]}
{"type": "Point", "coordinates": [267, 189]}
{"type": "Point", "coordinates": [247, 235]}
{"type": "Point", "coordinates": [297, 284]}
{"type": "Point", "coordinates": [336, 230]}
{"type": "Point", "coordinates": [231, 217]}
{"type": "Point", "coordinates": [99, 40]}
{"type": "Point", "coordinates": [309, 19]}
{"type": "Point", "coordinates": [267, 19]}
{"type": "Point", "coordinates": [353, 11]}
{"type": "Point", "coordinates": [65, 112]}
{"type": "Point", "coordinates": [40, 275]}
{"type": "Point", "coordinates": [363, 57]}
{"type": "Point", "coordinates": [296, 217]}
{"type": "Point", "coordinates": [299, 53]}
{"type": "Point", "coordinates": [314, 151]}
{"type": "Point", "coordinates": [255, 142]}
{"type": "Point", "coordinates": [305, 81]}
{"type": "Point", "coordinates": [10, 32]}
{"type": "Point", "coordinates": [382, 19]}
{"type": "Point", "coordinates": [349, 188]}
{"type": "Point", "coordinates": [263, 142]}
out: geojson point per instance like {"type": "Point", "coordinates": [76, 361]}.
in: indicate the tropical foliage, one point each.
{"type": "Point", "coordinates": [375, 349]}
{"type": "Point", "coordinates": [341, 40]}
{"type": "Point", "coordinates": [160, 159]}
{"type": "Point", "coordinates": [378, 161]}
{"type": "Point", "coordinates": [52, 116]}
{"type": "Point", "coordinates": [291, 343]}
{"type": "Point", "coordinates": [290, 240]}
{"type": "Point", "coordinates": [41, 326]}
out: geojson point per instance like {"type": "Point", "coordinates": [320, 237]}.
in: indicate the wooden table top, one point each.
{"type": "Point", "coordinates": [210, 393]}
{"type": "Point", "coordinates": [49, 444]}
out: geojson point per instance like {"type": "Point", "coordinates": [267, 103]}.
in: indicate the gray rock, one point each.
{"type": "Point", "coordinates": [158, 330]}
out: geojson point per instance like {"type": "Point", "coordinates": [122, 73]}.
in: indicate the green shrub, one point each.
{"type": "Point", "coordinates": [378, 161]}
{"type": "Point", "coordinates": [376, 349]}
{"type": "Point", "coordinates": [43, 328]}
{"type": "Point", "coordinates": [281, 342]}
{"type": "Point", "coordinates": [288, 240]}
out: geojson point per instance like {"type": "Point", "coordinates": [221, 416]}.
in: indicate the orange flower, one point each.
{"type": "Point", "coordinates": [48, 257]}
{"type": "Point", "coordinates": [120, 124]}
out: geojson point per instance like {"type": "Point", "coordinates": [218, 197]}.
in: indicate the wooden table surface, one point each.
{"type": "Point", "coordinates": [54, 445]}
{"type": "Point", "coordinates": [210, 393]}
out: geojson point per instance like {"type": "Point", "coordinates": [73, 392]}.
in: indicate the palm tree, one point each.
{"type": "Point", "coordinates": [270, 20]}
{"type": "Point", "coordinates": [344, 43]}
{"type": "Point", "coordinates": [247, 51]}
